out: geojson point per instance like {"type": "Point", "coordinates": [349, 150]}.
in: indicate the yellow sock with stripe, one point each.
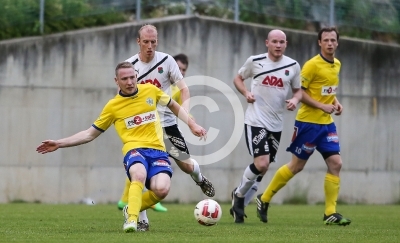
{"type": "Point", "coordinates": [149, 199]}
{"type": "Point", "coordinates": [135, 200]}
{"type": "Point", "coordinates": [281, 177]}
{"type": "Point", "coordinates": [331, 187]}
{"type": "Point", "coordinates": [125, 193]}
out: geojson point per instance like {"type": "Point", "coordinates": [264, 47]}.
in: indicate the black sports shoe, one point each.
{"type": "Point", "coordinates": [336, 219]}
{"type": "Point", "coordinates": [143, 226]}
{"type": "Point", "coordinates": [237, 210]}
{"type": "Point", "coordinates": [262, 209]}
{"type": "Point", "coordinates": [207, 187]}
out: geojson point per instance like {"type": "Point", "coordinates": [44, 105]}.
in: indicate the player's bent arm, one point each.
{"type": "Point", "coordinates": [238, 81]}
{"type": "Point", "coordinates": [180, 112]}
{"type": "Point", "coordinates": [79, 138]}
{"type": "Point", "coordinates": [338, 107]}
{"type": "Point", "coordinates": [185, 94]}
{"type": "Point", "coordinates": [185, 117]}
{"type": "Point", "coordinates": [327, 108]}
{"type": "Point", "coordinates": [306, 99]}
{"type": "Point", "coordinates": [297, 94]}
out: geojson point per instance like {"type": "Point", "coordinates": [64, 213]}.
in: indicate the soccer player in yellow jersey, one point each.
{"type": "Point", "coordinates": [183, 62]}
{"type": "Point", "coordinates": [133, 111]}
{"type": "Point", "coordinates": [314, 129]}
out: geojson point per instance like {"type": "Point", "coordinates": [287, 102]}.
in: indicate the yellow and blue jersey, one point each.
{"type": "Point", "coordinates": [320, 80]}
{"type": "Point", "coordinates": [135, 118]}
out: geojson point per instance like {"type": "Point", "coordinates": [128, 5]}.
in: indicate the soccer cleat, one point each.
{"type": "Point", "coordinates": [130, 226]}
{"type": "Point", "coordinates": [262, 209]}
{"type": "Point", "coordinates": [336, 219]}
{"type": "Point", "coordinates": [121, 204]}
{"type": "Point", "coordinates": [237, 210]}
{"type": "Point", "coordinates": [159, 208]}
{"type": "Point", "coordinates": [143, 226]}
{"type": "Point", "coordinates": [207, 187]}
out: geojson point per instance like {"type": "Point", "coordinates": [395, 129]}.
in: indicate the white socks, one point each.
{"type": "Point", "coordinates": [143, 216]}
{"type": "Point", "coordinates": [196, 174]}
{"type": "Point", "coordinates": [247, 182]}
{"type": "Point", "coordinates": [251, 193]}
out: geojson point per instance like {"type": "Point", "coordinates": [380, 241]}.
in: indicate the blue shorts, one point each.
{"type": "Point", "coordinates": [155, 161]}
{"type": "Point", "coordinates": [309, 136]}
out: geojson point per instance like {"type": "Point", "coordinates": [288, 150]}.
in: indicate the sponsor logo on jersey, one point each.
{"type": "Point", "coordinates": [257, 139]}
{"type": "Point", "coordinates": [256, 150]}
{"type": "Point", "coordinates": [160, 70]}
{"type": "Point", "coordinates": [154, 82]}
{"type": "Point", "coordinates": [160, 163]}
{"type": "Point", "coordinates": [287, 72]}
{"type": "Point", "coordinates": [332, 137]}
{"type": "Point", "coordinates": [261, 65]}
{"type": "Point", "coordinates": [141, 119]}
{"type": "Point", "coordinates": [150, 101]}
{"type": "Point", "coordinates": [273, 81]}
{"type": "Point", "coordinates": [308, 148]}
{"type": "Point", "coordinates": [329, 90]}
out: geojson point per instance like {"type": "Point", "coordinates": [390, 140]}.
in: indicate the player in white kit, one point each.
{"type": "Point", "coordinates": [161, 70]}
{"type": "Point", "coordinates": [272, 76]}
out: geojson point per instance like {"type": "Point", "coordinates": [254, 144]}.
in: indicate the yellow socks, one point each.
{"type": "Point", "coordinates": [148, 200]}
{"type": "Point", "coordinates": [125, 193]}
{"type": "Point", "coordinates": [135, 200]}
{"type": "Point", "coordinates": [331, 187]}
{"type": "Point", "coordinates": [281, 177]}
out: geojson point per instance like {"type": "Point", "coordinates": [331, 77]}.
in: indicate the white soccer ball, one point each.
{"type": "Point", "coordinates": [207, 212]}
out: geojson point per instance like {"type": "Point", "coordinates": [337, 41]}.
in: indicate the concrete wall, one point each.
{"type": "Point", "coordinates": [55, 86]}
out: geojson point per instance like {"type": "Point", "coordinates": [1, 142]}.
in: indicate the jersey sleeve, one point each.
{"type": "Point", "coordinates": [295, 82]}
{"type": "Point", "coordinates": [175, 74]}
{"type": "Point", "coordinates": [105, 120]}
{"type": "Point", "coordinates": [246, 71]}
{"type": "Point", "coordinates": [176, 94]}
{"type": "Point", "coordinates": [161, 97]}
{"type": "Point", "coordinates": [307, 74]}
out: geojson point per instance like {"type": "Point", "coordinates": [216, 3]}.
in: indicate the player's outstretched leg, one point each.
{"type": "Point", "coordinates": [336, 219]}
{"type": "Point", "coordinates": [206, 187]}
{"type": "Point", "coordinates": [191, 167]}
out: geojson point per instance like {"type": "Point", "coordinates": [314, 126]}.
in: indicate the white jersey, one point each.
{"type": "Point", "coordinates": [162, 71]}
{"type": "Point", "coordinates": [270, 86]}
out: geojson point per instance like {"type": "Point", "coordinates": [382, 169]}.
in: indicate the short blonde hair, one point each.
{"type": "Point", "coordinates": [122, 65]}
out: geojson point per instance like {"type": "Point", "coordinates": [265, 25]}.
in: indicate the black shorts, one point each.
{"type": "Point", "coordinates": [260, 141]}
{"type": "Point", "coordinates": [175, 144]}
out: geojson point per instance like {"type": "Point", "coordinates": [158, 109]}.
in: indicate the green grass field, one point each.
{"type": "Point", "coordinates": [24, 222]}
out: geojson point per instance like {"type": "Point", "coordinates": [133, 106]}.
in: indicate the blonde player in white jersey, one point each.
{"type": "Point", "coordinates": [161, 70]}
{"type": "Point", "coordinates": [272, 76]}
